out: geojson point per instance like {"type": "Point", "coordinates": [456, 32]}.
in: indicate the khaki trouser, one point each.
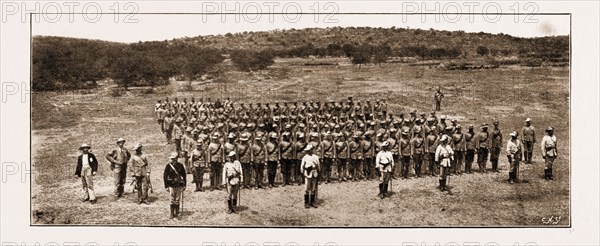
{"type": "Point", "coordinates": [514, 166]}
{"type": "Point", "coordinates": [175, 194]}
{"type": "Point", "coordinates": [232, 191]}
{"type": "Point", "coordinates": [549, 160]}
{"type": "Point", "coordinates": [142, 187]}
{"type": "Point", "coordinates": [385, 177]}
{"type": "Point", "coordinates": [87, 182]}
{"type": "Point", "coordinates": [310, 185]}
{"type": "Point", "coordinates": [120, 176]}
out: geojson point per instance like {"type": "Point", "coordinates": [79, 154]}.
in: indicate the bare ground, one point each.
{"type": "Point", "coordinates": [62, 121]}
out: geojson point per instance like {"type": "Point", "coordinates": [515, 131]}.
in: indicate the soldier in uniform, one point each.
{"type": "Point", "coordinates": [444, 155]}
{"type": "Point", "coordinates": [341, 155]}
{"type": "Point", "coordinates": [168, 127]}
{"type": "Point", "coordinates": [244, 152]}
{"type": "Point", "coordinates": [178, 134]}
{"type": "Point", "coordinates": [442, 125]}
{"type": "Point", "coordinates": [316, 144]}
{"type": "Point", "coordinates": [405, 147]}
{"type": "Point", "coordinates": [528, 133]}
{"type": "Point", "coordinates": [438, 96]}
{"type": "Point", "coordinates": [175, 182]}
{"type": "Point", "coordinates": [384, 163]}
{"type": "Point", "coordinates": [161, 113]}
{"type": "Point", "coordinates": [141, 174]}
{"type": "Point", "coordinates": [87, 166]}
{"type": "Point", "coordinates": [327, 148]}
{"type": "Point", "coordinates": [417, 150]}
{"type": "Point", "coordinates": [272, 151]}
{"type": "Point", "coordinates": [259, 160]}
{"type": "Point", "coordinates": [299, 146]}
{"type": "Point", "coordinates": [199, 164]}
{"type": "Point", "coordinates": [431, 143]}
{"type": "Point", "coordinates": [215, 155]}
{"type": "Point", "coordinates": [356, 158]}
{"type": "Point", "coordinates": [458, 139]}
{"type": "Point", "coordinates": [394, 148]}
{"type": "Point", "coordinates": [118, 159]}
{"type": "Point", "coordinates": [482, 144]}
{"type": "Point", "coordinates": [233, 176]}
{"type": "Point", "coordinates": [496, 146]}
{"type": "Point", "coordinates": [187, 144]}
{"type": "Point", "coordinates": [470, 149]}
{"type": "Point", "coordinates": [368, 158]}
{"type": "Point", "coordinates": [514, 153]}
{"type": "Point", "coordinates": [310, 168]}
{"type": "Point", "coordinates": [286, 149]}
{"type": "Point", "coordinates": [549, 152]}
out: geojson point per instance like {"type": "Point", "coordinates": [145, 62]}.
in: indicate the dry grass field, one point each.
{"type": "Point", "coordinates": [63, 121]}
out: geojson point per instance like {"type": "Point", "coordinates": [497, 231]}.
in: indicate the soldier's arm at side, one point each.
{"type": "Point", "coordinates": [78, 166]}
{"type": "Point", "coordinates": [224, 174]}
{"type": "Point", "coordinates": [166, 176]}
{"type": "Point", "coordinates": [542, 144]}
{"type": "Point", "coordinates": [109, 156]}
{"type": "Point", "coordinates": [239, 165]}
{"type": "Point", "coordinates": [302, 163]}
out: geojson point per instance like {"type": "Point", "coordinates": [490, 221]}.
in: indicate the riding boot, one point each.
{"type": "Point", "coordinates": [172, 214]}
{"type": "Point", "coordinates": [306, 201]}
{"type": "Point", "coordinates": [229, 206]}
{"type": "Point", "coordinates": [440, 186]}
{"type": "Point", "coordinates": [380, 191]}
{"type": "Point", "coordinates": [546, 176]}
{"type": "Point", "coordinates": [444, 185]}
{"type": "Point", "coordinates": [385, 190]}
{"type": "Point", "coordinates": [550, 174]}
{"type": "Point", "coordinates": [176, 211]}
{"type": "Point", "coordinates": [234, 205]}
{"type": "Point", "coordinates": [313, 201]}
{"type": "Point", "coordinates": [511, 177]}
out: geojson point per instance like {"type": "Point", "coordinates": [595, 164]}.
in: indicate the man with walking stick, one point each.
{"type": "Point", "coordinates": [310, 167]}
{"type": "Point", "coordinates": [175, 182]}
{"type": "Point", "coordinates": [514, 153]}
{"type": "Point", "coordinates": [384, 162]}
{"type": "Point", "coordinates": [444, 156]}
{"type": "Point", "coordinates": [232, 177]}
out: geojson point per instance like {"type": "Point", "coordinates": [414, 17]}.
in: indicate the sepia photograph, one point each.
{"type": "Point", "coordinates": [350, 120]}
{"type": "Point", "coordinates": [299, 123]}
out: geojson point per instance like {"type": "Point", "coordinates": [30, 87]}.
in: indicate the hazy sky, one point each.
{"type": "Point", "coordinates": [168, 26]}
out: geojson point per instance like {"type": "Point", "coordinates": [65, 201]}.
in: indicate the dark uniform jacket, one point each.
{"type": "Point", "coordinates": [174, 175]}
{"type": "Point", "coordinates": [92, 161]}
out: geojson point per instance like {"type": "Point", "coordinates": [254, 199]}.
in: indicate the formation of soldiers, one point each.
{"type": "Point", "coordinates": [310, 143]}
{"type": "Point", "coordinates": [345, 135]}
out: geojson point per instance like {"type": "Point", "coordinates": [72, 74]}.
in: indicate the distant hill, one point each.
{"type": "Point", "coordinates": [70, 63]}
{"type": "Point", "coordinates": [396, 38]}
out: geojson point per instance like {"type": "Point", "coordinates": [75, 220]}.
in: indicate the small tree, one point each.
{"type": "Point", "coordinates": [361, 55]}
{"type": "Point", "coordinates": [482, 50]}
{"type": "Point", "coordinates": [381, 53]}
{"type": "Point", "coordinates": [246, 60]}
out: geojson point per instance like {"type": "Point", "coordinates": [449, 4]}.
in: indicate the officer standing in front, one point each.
{"type": "Point", "coordinates": [444, 156]}
{"type": "Point", "coordinates": [87, 166]}
{"type": "Point", "coordinates": [174, 178]}
{"type": "Point", "coordinates": [141, 173]}
{"type": "Point", "coordinates": [528, 133]}
{"type": "Point", "coordinates": [233, 176]}
{"type": "Point", "coordinates": [118, 159]}
{"type": "Point", "coordinates": [514, 153]}
{"type": "Point", "coordinates": [310, 168]}
{"type": "Point", "coordinates": [384, 162]}
{"type": "Point", "coordinates": [549, 152]}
